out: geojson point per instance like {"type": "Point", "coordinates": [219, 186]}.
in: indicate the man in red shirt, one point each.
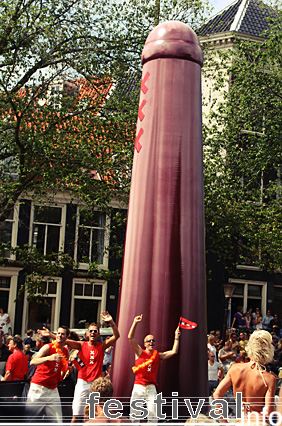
{"type": "Point", "coordinates": [17, 365]}
{"type": "Point", "coordinates": [51, 361]}
{"type": "Point", "coordinates": [89, 361]}
{"type": "Point", "coordinates": [146, 369]}
{"type": "Point", "coordinates": [91, 353]}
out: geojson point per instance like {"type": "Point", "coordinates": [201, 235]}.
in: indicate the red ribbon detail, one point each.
{"type": "Point", "coordinates": [138, 145]}
{"type": "Point", "coordinates": [144, 88]}
{"type": "Point", "coordinates": [141, 115]}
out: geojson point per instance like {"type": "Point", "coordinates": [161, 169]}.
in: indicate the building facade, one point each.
{"type": "Point", "coordinates": [254, 287]}
{"type": "Point", "coordinates": [73, 298]}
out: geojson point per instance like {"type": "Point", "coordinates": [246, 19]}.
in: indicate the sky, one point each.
{"type": "Point", "coordinates": [220, 4]}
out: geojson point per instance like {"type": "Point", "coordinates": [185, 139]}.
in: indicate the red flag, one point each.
{"type": "Point", "coordinates": [188, 325]}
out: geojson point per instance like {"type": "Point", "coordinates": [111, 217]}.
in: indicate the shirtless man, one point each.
{"type": "Point", "coordinates": [146, 368]}
{"type": "Point", "coordinates": [257, 385]}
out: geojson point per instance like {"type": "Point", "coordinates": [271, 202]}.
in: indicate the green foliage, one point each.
{"type": "Point", "coordinates": [51, 138]}
{"type": "Point", "coordinates": [244, 158]}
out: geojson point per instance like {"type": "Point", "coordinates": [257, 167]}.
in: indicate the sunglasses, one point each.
{"type": "Point", "coordinates": [150, 340]}
{"type": "Point", "coordinates": [93, 331]}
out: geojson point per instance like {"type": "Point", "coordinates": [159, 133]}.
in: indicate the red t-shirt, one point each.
{"type": "Point", "coordinates": [18, 365]}
{"type": "Point", "coordinates": [49, 373]}
{"type": "Point", "coordinates": [147, 375]}
{"type": "Point", "coordinates": [93, 357]}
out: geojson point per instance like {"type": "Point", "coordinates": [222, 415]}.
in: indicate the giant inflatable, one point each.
{"type": "Point", "coordinates": [163, 274]}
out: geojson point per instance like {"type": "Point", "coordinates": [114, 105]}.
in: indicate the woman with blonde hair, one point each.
{"type": "Point", "coordinates": [252, 380]}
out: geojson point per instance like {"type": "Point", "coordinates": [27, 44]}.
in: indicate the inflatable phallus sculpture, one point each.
{"type": "Point", "coordinates": [163, 274]}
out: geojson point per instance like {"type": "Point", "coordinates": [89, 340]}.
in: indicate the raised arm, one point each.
{"type": "Point", "coordinates": [73, 344]}
{"type": "Point", "coordinates": [175, 347]}
{"type": "Point", "coordinates": [135, 347]}
{"type": "Point", "coordinates": [106, 317]}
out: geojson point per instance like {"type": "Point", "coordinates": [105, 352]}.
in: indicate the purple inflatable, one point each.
{"type": "Point", "coordinates": [163, 274]}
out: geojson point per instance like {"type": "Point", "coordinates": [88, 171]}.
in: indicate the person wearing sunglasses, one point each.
{"type": "Point", "coordinates": [215, 372]}
{"type": "Point", "coordinates": [146, 369]}
{"type": "Point", "coordinates": [89, 361]}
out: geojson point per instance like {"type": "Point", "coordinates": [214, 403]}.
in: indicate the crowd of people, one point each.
{"type": "Point", "coordinates": [46, 359]}
{"type": "Point", "coordinates": [250, 351]}
{"type": "Point", "coordinates": [51, 358]}
{"type": "Point", "coordinates": [250, 321]}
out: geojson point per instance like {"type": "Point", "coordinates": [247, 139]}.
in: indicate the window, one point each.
{"type": "Point", "coordinates": [47, 312]}
{"type": "Point", "coordinates": [277, 306]}
{"type": "Point", "coordinates": [55, 95]}
{"type": "Point", "coordinates": [91, 237]}
{"type": "Point", "coordinates": [248, 294]}
{"type": "Point", "coordinates": [61, 94]}
{"type": "Point", "coordinates": [89, 300]}
{"type": "Point", "coordinates": [46, 229]}
{"type": "Point", "coordinates": [5, 283]}
{"type": "Point", "coordinates": [6, 231]}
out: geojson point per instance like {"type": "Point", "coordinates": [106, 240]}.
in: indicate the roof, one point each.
{"type": "Point", "coordinates": [242, 16]}
{"type": "Point", "coordinates": [96, 89]}
{"type": "Point", "coordinates": [125, 88]}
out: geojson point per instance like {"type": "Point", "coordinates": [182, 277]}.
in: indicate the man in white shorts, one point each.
{"type": "Point", "coordinates": [43, 398]}
{"type": "Point", "coordinates": [89, 361]}
{"type": "Point", "coordinates": [146, 370]}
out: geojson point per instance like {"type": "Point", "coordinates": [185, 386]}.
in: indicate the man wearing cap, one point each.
{"type": "Point", "coordinates": [146, 369]}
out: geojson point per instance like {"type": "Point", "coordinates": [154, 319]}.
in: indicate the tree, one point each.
{"type": "Point", "coordinates": [243, 156]}
{"type": "Point", "coordinates": [59, 128]}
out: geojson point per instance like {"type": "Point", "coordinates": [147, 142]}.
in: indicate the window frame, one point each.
{"type": "Point", "coordinates": [246, 283]}
{"type": "Point", "coordinates": [14, 232]}
{"type": "Point", "coordinates": [57, 308]}
{"type": "Point", "coordinates": [105, 263]}
{"type": "Point", "coordinates": [62, 225]}
{"type": "Point", "coordinates": [102, 299]}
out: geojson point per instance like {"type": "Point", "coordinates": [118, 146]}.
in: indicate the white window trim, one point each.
{"type": "Point", "coordinates": [13, 273]}
{"type": "Point", "coordinates": [105, 264]}
{"type": "Point", "coordinates": [15, 225]}
{"type": "Point", "coordinates": [56, 296]}
{"type": "Point", "coordinates": [245, 296]}
{"type": "Point", "coordinates": [102, 298]}
{"type": "Point", "coordinates": [62, 225]}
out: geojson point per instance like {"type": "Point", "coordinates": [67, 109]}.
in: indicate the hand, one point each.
{"type": "Point", "coordinates": [138, 318]}
{"type": "Point", "coordinates": [177, 332]}
{"type": "Point", "coordinates": [106, 317]}
{"type": "Point", "coordinates": [45, 332]}
{"type": "Point", "coordinates": [56, 357]}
